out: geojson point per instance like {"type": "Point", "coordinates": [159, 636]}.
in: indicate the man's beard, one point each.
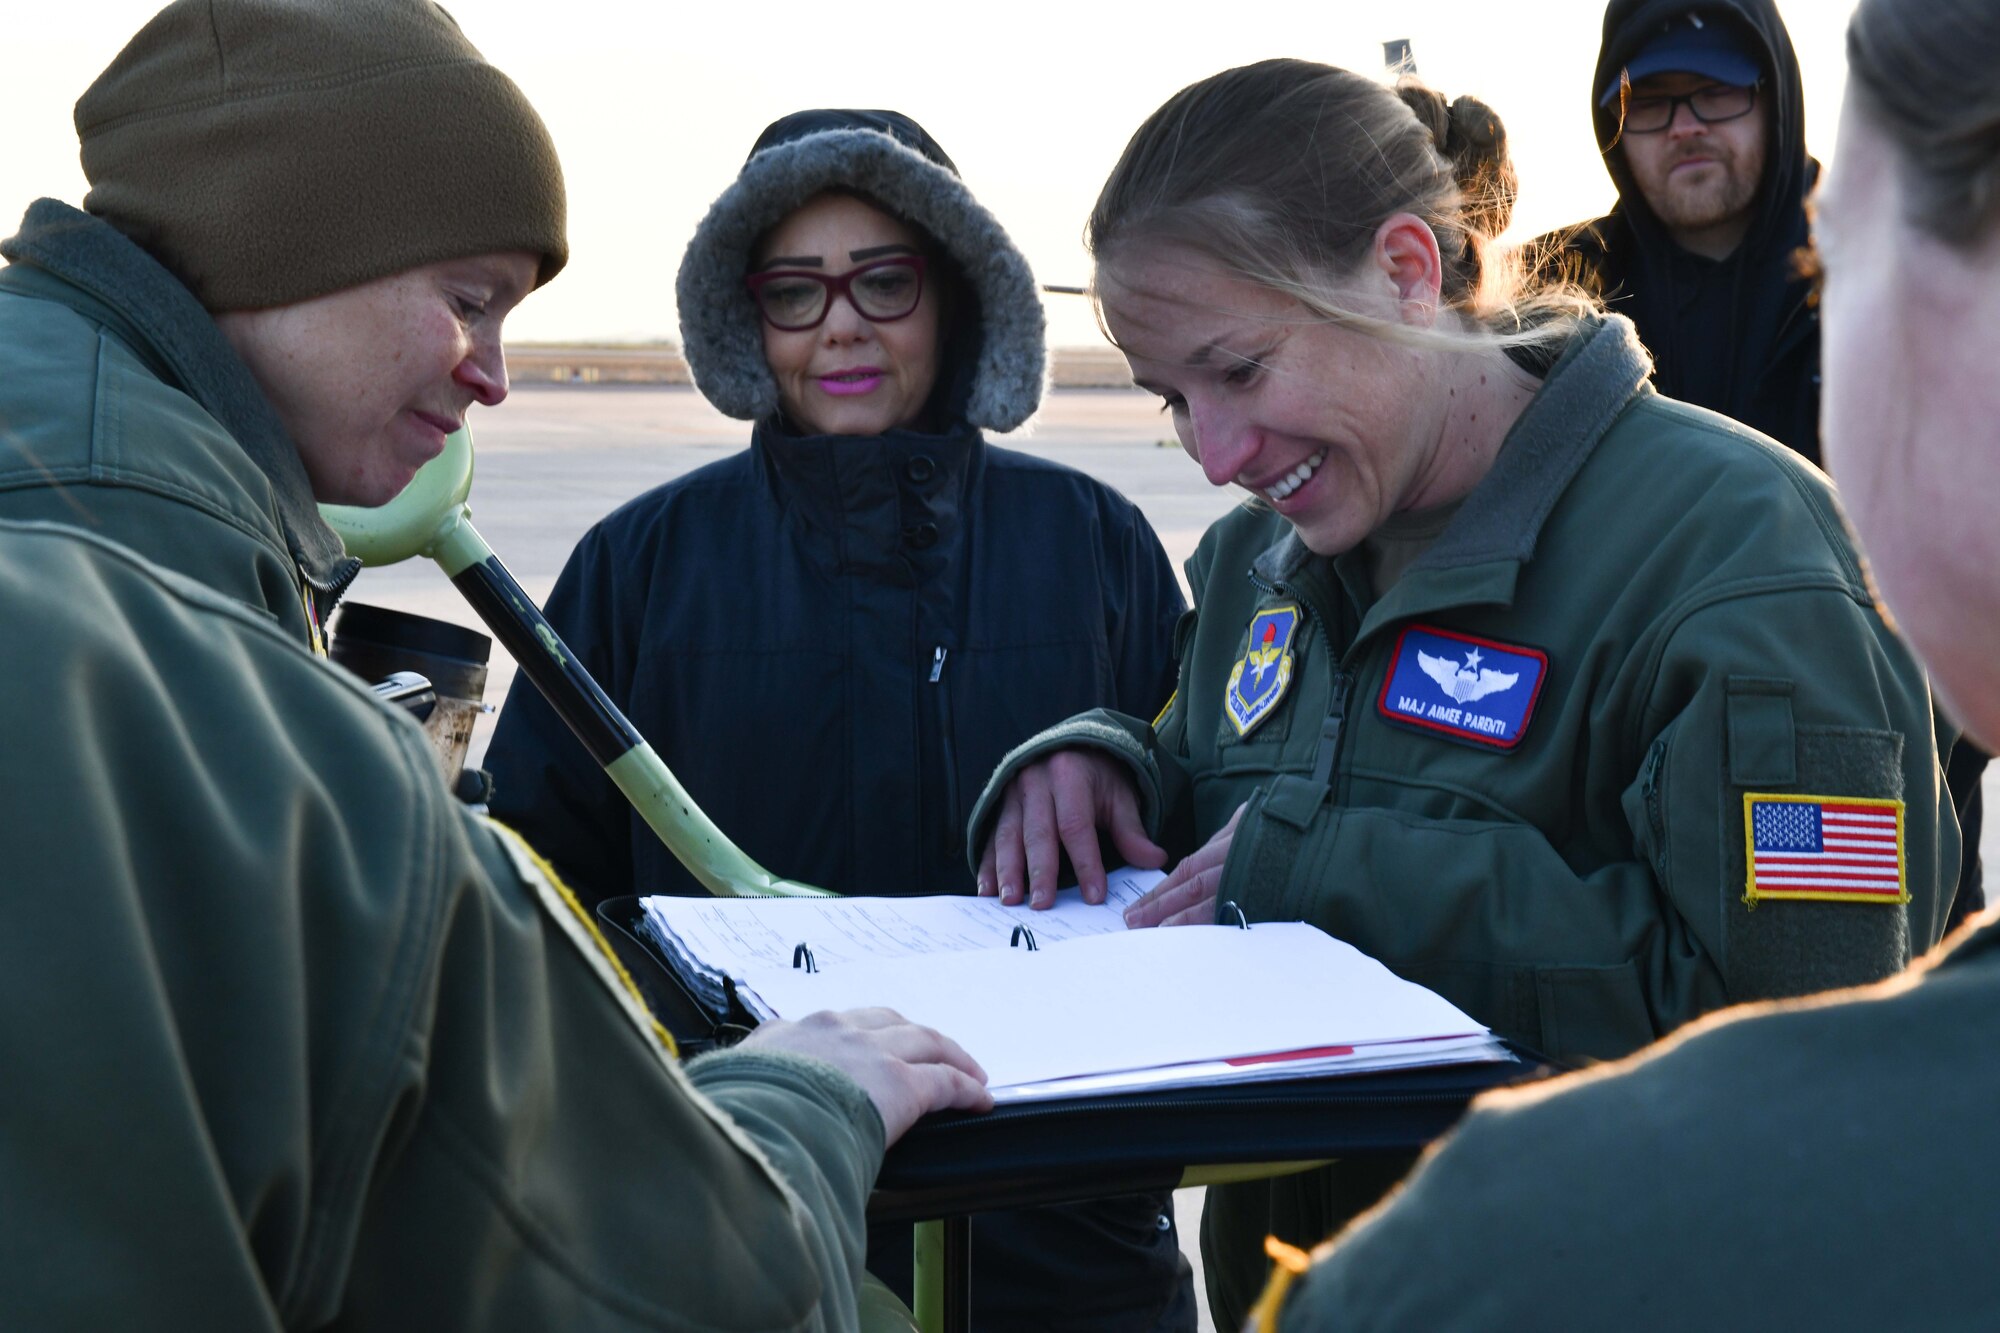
{"type": "Point", "coordinates": [1719, 195]}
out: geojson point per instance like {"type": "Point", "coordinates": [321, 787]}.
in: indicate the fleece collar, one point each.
{"type": "Point", "coordinates": [719, 324]}
{"type": "Point", "coordinates": [170, 329]}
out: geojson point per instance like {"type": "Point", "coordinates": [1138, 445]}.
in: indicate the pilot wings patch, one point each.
{"type": "Point", "coordinates": [1468, 688]}
{"type": "Point", "coordinates": [1468, 682]}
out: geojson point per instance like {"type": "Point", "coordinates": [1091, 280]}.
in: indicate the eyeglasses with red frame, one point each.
{"type": "Point", "coordinates": [793, 299]}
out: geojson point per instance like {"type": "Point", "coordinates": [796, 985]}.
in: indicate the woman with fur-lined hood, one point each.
{"type": "Point", "coordinates": [833, 636]}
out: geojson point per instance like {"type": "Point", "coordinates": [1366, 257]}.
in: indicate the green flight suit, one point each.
{"type": "Point", "coordinates": [1708, 633]}
{"type": "Point", "coordinates": [293, 1040]}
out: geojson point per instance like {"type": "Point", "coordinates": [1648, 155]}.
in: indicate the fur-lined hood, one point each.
{"type": "Point", "coordinates": [889, 158]}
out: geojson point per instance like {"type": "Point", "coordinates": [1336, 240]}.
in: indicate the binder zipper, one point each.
{"type": "Point", "coordinates": [933, 1156]}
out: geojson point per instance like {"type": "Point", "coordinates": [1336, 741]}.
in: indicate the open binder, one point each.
{"type": "Point", "coordinates": [1081, 1146]}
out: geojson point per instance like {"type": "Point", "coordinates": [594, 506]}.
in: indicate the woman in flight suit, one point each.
{"type": "Point", "coordinates": [1511, 672]}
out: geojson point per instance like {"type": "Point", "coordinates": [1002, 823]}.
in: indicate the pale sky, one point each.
{"type": "Point", "coordinates": [653, 106]}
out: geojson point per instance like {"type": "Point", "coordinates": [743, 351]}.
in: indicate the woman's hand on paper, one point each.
{"type": "Point", "coordinates": [906, 1069]}
{"type": "Point", "coordinates": [1186, 897]}
{"type": "Point", "coordinates": [1054, 806]}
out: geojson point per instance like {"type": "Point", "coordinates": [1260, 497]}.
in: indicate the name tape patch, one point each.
{"type": "Point", "coordinates": [1843, 849]}
{"type": "Point", "coordinates": [1465, 687]}
{"type": "Point", "coordinates": [1259, 681]}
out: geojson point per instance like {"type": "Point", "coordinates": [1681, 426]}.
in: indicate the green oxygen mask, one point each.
{"type": "Point", "coordinates": [431, 517]}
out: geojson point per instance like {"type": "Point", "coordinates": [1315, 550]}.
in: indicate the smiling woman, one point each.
{"type": "Point", "coordinates": [1513, 666]}
{"type": "Point", "coordinates": [871, 597]}
{"type": "Point", "coordinates": [1567, 1204]}
{"type": "Point", "coordinates": [854, 350]}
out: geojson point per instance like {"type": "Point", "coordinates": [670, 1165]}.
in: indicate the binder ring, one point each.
{"type": "Point", "coordinates": [1242, 922]}
{"type": "Point", "coordinates": [1019, 932]}
{"type": "Point", "coordinates": [804, 956]}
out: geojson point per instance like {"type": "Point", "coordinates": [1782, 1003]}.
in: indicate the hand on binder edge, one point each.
{"type": "Point", "coordinates": [1186, 897]}
{"type": "Point", "coordinates": [906, 1069]}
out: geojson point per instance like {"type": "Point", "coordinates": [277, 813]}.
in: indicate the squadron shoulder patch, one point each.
{"type": "Point", "coordinates": [1260, 680]}
{"type": "Point", "coordinates": [1468, 688]}
{"type": "Point", "coordinates": [1843, 849]}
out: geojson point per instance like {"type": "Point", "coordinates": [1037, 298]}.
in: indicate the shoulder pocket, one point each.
{"type": "Point", "coordinates": [1762, 739]}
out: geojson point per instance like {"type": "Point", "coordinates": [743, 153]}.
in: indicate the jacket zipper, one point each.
{"type": "Point", "coordinates": [1334, 723]}
{"type": "Point", "coordinates": [1330, 728]}
{"type": "Point", "coordinates": [950, 757]}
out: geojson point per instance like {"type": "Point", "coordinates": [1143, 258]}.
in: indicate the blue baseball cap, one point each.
{"type": "Point", "coordinates": [1690, 45]}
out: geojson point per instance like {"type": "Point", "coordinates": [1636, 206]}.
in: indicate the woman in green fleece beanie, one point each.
{"type": "Point", "coordinates": [305, 225]}
{"type": "Point", "coordinates": [374, 1068]}
{"type": "Point", "coordinates": [356, 195]}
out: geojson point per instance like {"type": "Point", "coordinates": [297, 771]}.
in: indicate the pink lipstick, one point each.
{"type": "Point", "coordinates": [851, 383]}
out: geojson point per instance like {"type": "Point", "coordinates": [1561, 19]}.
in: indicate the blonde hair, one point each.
{"type": "Point", "coordinates": [1283, 171]}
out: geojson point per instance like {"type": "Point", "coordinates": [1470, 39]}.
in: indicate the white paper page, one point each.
{"type": "Point", "coordinates": [1365, 1059]}
{"type": "Point", "coordinates": [1135, 999]}
{"type": "Point", "coordinates": [737, 935]}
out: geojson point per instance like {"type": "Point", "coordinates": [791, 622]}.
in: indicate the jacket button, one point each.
{"type": "Point", "coordinates": [923, 536]}
{"type": "Point", "coordinates": [920, 469]}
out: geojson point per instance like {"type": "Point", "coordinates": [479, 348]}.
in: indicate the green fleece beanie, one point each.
{"type": "Point", "coordinates": [270, 151]}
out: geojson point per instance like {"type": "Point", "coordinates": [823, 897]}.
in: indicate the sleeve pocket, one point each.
{"type": "Point", "coordinates": [1785, 947]}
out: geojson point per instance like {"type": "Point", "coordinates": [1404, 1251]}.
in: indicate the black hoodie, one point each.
{"type": "Point", "coordinates": [1737, 336]}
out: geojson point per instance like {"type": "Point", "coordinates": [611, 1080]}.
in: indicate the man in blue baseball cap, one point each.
{"type": "Point", "coordinates": [1699, 111]}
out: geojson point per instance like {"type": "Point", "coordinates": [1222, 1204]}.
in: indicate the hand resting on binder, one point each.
{"type": "Point", "coordinates": [1057, 805]}
{"type": "Point", "coordinates": [907, 1070]}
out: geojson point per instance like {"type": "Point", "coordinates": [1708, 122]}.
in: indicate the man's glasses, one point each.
{"type": "Point", "coordinates": [1710, 105]}
{"type": "Point", "coordinates": [793, 299]}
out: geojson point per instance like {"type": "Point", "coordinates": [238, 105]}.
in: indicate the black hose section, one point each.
{"type": "Point", "coordinates": [522, 629]}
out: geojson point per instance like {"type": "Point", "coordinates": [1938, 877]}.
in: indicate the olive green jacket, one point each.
{"type": "Point", "coordinates": [1824, 1164]}
{"type": "Point", "coordinates": [1708, 633]}
{"type": "Point", "coordinates": [294, 1041]}
{"type": "Point", "coordinates": [125, 412]}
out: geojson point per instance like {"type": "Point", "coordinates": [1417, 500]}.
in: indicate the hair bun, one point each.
{"type": "Point", "coordinates": [1474, 128]}
{"type": "Point", "coordinates": [1470, 137]}
{"type": "Point", "coordinates": [1431, 111]}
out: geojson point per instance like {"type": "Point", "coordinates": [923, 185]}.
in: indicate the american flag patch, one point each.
{"type": "Point", "coordinates": [1846, 849]}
